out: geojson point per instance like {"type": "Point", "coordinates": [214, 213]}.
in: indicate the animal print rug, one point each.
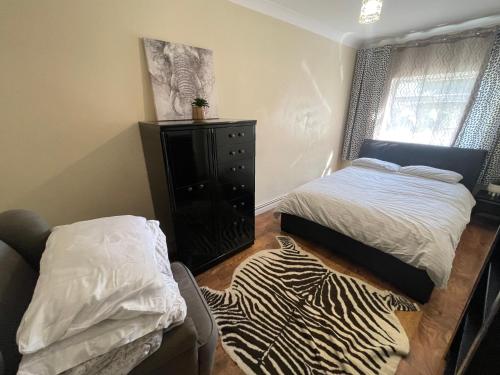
{"type": "Point", "coordinates": [287, 313]}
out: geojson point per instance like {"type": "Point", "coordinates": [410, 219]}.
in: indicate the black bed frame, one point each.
{"type": "Point", "coordinates": [408, 279]}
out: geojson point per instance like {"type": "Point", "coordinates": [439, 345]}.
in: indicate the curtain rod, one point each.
{"type": "Point", "coordinates": [482, 32]}
{"type": "Point", "coordinates": [462, 30]}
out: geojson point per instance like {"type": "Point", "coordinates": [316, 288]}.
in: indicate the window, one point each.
{"type": "Point", "coordinates": [427, 92]}
{"type": "Point", "coordinates": [422, 112]}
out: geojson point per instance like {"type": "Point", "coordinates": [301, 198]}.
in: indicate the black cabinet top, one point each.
{"type": "Point", "coordinates": [481, 193]}
{"type": "Point", "coordinates": [170, 124]}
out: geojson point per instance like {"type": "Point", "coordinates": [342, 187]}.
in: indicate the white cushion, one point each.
{"type": "Point", "coordinates": [112, 333]}
{"type": "Point", "coordinates": [433, 173]}
{"type": "Point", "coordinates": [89, 272]}
{"type": "Point", "coordinates": [376, 164]}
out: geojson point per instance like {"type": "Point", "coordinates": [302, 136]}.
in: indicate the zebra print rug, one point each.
{"type": "Point", "coordinates": [287, 313]}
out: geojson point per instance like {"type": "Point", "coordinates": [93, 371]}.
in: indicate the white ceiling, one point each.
{"type": "Point", "coordinates": [338, 19]}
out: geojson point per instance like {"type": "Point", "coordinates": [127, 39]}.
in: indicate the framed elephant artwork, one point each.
{"type": "Point", "coordinates": [179, 74]}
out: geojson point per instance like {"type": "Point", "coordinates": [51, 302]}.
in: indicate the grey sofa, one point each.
{"type": "Point", "coordinates": [186, 349]}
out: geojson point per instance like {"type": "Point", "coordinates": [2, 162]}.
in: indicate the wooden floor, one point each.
{"type": "Point", "coordinates": [429, 330]}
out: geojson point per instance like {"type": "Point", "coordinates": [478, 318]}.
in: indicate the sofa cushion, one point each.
{"type": "Point", "coordinates": [17, 282]}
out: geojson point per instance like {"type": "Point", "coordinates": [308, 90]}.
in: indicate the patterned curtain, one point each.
{"type": "Point", "coordinates": [481, 127]}
{"type": "Point", "coordinates": [370, 73]}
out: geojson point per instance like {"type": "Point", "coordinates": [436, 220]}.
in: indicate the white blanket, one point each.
{"type": "Point", "coordinates": [415, 219]}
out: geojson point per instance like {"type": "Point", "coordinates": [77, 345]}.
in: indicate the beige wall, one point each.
{"type": "Point", "coordinates": [73, 85]}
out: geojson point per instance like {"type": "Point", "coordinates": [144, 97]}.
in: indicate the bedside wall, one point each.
{"type": "Point", "coordinates": [74, 85]}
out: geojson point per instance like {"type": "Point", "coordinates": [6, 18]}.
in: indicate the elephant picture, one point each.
{"type": "Point", "coordinates": [179, 74]}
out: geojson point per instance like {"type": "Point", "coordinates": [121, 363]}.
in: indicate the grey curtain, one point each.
{"type": "Point", "coordinates": [481, 128]}
{"type": "Point", "coordinates": [370, 72]}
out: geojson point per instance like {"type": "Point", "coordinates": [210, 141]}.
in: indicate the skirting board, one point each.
{"type": "Point", "coordinates": [267, 206]}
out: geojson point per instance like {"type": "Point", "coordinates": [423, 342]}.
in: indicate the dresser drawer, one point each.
{"type": "Point", "coordinates": [234, 152]}
{"type": "Point", "coordinates": [234, 135]}
{"type": "Point", "coordinates": [237, 230]}
{"type": "Point", "coordinates": [487, 207]}
{"type": "Point", "coordinates": [236, 171]}
{"type": "Point", "coordinates": [241, 204]}
{"type": "Point", "coordinates": [234, 190]}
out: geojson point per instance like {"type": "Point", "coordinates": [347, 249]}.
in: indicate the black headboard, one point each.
{"type": "Point", "coordinates": [467, 162]}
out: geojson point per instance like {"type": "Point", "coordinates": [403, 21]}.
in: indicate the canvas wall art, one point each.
{"type": "Point", "coordinates": [180, 73]}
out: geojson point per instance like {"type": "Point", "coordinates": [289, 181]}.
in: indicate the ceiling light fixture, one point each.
{"type": "Point", "coordinates": [370, 11]}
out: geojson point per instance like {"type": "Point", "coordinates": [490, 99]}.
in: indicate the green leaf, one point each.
{"type": "Point", "coordinates": [199, 102]}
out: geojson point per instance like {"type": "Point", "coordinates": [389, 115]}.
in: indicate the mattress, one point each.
{"type": "Point", "coordinates": [418, 220]}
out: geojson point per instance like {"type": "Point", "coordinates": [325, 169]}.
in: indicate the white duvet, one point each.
{"type": "Point", "coordinates": [416, 219]}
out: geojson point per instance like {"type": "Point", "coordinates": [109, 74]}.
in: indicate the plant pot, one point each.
{"type": "Point", "coordinates": [198, 113]}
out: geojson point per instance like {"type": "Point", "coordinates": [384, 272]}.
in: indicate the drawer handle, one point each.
{"type": "Point", "coordinates": [242, 186]}
{"type": "Point", "coordinates": [242, 204]}
{"type": "Point", "coordinates": [242, 151]}
{"type": "Point", "coordinates": [235, 223]}
{"type": "Point", "coordinates": [201, 186]}
{"type": "Point", "coordinates": [233, 169]}
{"type": "Point", "coordinates": [235, 206]}
{"type": "Point", "coordinates": [242, 220]}
{"type": "Point", "coordinates": [190, 189]}
{"type": "Point", "coordinates": [241, 134]}
{"type": "Point", "coordinates": [235, 188]}
{"type": "Point", "coordinates": [242, 167]}
{"type": "Point", "coordinates": [232, 135]}
{"type": "Point", "coordinates": [232, 153]}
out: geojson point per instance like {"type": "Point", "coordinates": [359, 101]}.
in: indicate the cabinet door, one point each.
{"type": "Point", "coordinates": [189, 154]}
{"type": "Point", "coordinates": [194, 225]}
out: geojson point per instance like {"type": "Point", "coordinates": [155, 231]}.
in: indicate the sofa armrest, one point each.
{"type": "Point", "coordinates": [189, 348]}
{"type": "Point", "coordinates": [199, 311]}
{"type": "Point", "coordinates": [26, 232]}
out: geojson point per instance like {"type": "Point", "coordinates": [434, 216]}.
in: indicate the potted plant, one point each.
{"type": "Point", "coordinates": [198, 105]}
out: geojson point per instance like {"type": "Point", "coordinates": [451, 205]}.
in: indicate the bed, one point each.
{"type": "Point", "coordinates": [402, 228]}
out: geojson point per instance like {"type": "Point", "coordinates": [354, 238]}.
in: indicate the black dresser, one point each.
{"type": "Point", "coordinates": [202, 180]}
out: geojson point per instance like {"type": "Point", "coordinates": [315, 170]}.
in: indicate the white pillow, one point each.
{"type": "Point", "coordinates": [92, 271]}
{"type": "Point", "coordinates": [432, 173]}
{"type": "Point", "coordinates": [109, 334]}
{"type": "Point", "coordinates": [376, 164]}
